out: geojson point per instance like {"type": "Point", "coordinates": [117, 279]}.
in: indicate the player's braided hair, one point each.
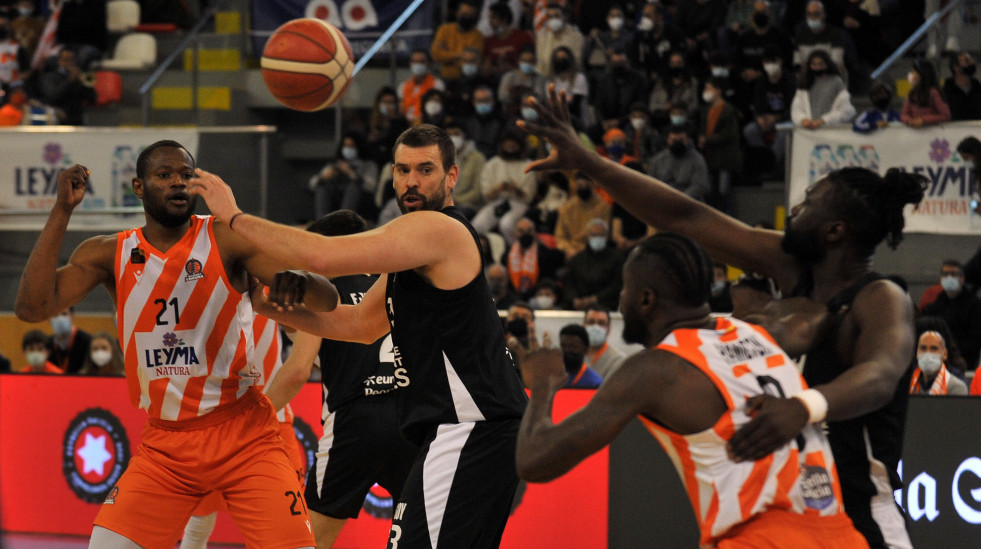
{"type": "Point", "coordinates": [680, 263]}
{"type": "Point", "coordinates": [872, 206]}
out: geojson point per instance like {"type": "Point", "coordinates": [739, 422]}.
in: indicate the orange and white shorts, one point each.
{"type": "Point", "coordinates": [776, 529]}
{"type": "Point", "coordinates": [235, 450]}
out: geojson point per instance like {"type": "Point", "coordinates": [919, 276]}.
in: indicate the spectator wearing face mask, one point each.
{"type": "Point", "coordinates": [547, 296]}
{"type": "Point", "coordinates": [421, 81]}
{"type": "Point", "coordinates": [615, 146]}
{"type": "Point", "coordinates": [600, 357]}
{"type": "Point", "coordinates": [720, 299]}
{"type": "Point", "coordinates": [654, 40]}
{"type": "Point", "coordinates": [385, 126]}
{"type": "Point", "coordinates": [486, 123]}
{"type": "Point", "coordinates": [601, 42]}
{"type": "Point", "coordinates": [35, 347]}
{"type": "Point", "coordinates": [617, 89]}
{"type": "Point", "coordinates": [434, 108]}
{"type": "Point", "coordinates": [962, 89]}
{"type": "Point", "coordinates": [69, 344]}
{"type": "Point", "coordinates": [718, 139]}
{"type": "Point", "coordinates": [762, 36]}
{"type": "Point", "coordinates": [453, 37]}
{"type": "Point", "coordinates": [677, 86]}
{"type": "Point", "coordinates": [459, 92]}
{"type": "Point", "coordinates": [525, 77]}
{"type": "Point", "coordinates": [643, 140]}
{"type": "Point", "coordinates": [567, 77]}
{"type": "Point", "coordinates": [346, 182]}
{"type": "Point", "coordinates": [881, 113]}
{"type": "Point", "coordinates": [467, 194]}
{"type": "Point", "coordinates": [822, 97]}
{"type": "Point", "coordinates": [961, 309]}
{"type": "Point", "coordinates": [497, 279]}
{"type": "Point", "coordinates": [557, 33]}
{"type": "Point", "coordinates": [104, 358]}
{"type": "Point", "coordinates": [931, 376]}
{"type": "Point", "coordinates": [924, 105]}
{"type": "Point", "coordinates": [681, 165]}
{"type": "Point", "coordinates": [528, 260]}
{"type": "Point", "coordinates": [505, 43]}
{"type": "Point", "coordinates": [15, 63]}
{"type": "Point", "coordinates": [815, 33]}
{"type": "Point", "coordinates": [570, 224]}
{"type": "Point", "coordinates": [772, 96]}
{"type": "Point", "coordinates": [507, 189]}
{"type": "Point", "coordinates": [593, 276]}
{"type": "Point", "coordinates": [574, 343]}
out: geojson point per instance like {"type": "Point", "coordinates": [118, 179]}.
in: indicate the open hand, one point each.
{"type": "Point", "coordinates": [217, 193]}
{"type": "Point", "coordinates": [554, 125]}
{"type": "Point", "coordinates": [775, 422]}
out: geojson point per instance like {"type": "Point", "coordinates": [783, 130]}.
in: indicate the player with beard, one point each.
{"type": "Point", "coordinates": [858, 369]}
{"type": "Point", "coordinates": [464, 398]}
{"type": "Point", "coordinates": [688, 387]}
{"type": "Point", "coordinates": [180, 285]}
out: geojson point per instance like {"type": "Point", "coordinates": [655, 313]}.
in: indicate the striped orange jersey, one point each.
{"type": "Point", "coordinates": [185, 331]}
{"type": "Point", "coordinates": [743, 361]}
{"type": "Point", "coordinates": [269, 354]}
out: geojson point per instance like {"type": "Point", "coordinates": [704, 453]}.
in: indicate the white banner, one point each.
{"type": "Point", "coordinates": [945, 208]}
{"type": "Point", "coordinates": [31, 160]}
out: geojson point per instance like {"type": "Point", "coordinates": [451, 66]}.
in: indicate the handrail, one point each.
{"type": "Point", "coordinates": [191, 35]}
{"type": "Point", "coordinates": [915, 37]}
{"type": "Point", "coordinates": [386, 35]}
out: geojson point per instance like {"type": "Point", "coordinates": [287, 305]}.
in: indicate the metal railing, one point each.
{"type": "Point", "coordinates": [914, 38]}
{"type": "Point", "coordinates": [194, 35]}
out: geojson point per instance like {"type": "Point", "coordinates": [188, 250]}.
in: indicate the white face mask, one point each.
{"type": "Point", "coordinates": [542, 302]}
{"type": "Point", "coordinates": [349, 153]}
{"type": "Point", "coordinates": [597, 335]}
{"type": "Point", "coordinates": [101, 357]}
{"type": "Point", "coordinates": [708, 96]}
{"type": "Point", "coordinates": [718, 286]}
{"type": "Point", "coordinates": [418, 69]}
{"type": "Point", "coordinates": [929, 363]}
{"type": "Point", "coordinates": [950, 283]}
{"type": "Point", "coordinates": [815, 25]}
{"type": "Point", "coordinates": [721, 72]}
{"type": "Point", "coordinates": [529, 113]}
{"type": "Point", "coordinates": [36, 358]}
{"type": "Point", "coordinates": [433, 108]}
{"type": "Point", "coordinates": [912, 78]}
{"type": "Point", "coordinates": [457, 142]}
{"type": "Point", "coordinates": [638, 123]}
{"type": "Point", "coordinates": [597, 243]}
{"type": "Point", "coordinates": [771, 69]}
{"type": "Point", "coordinates": [468, 69]}
{"type": "Point", "coordinates": [615, 23]}
{"type": "Point", "coordinates": [646, 24]}
{"type": "Point", "coordinates": [555, 24]}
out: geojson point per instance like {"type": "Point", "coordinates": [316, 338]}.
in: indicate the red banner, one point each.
{"type": "Point", "coordinates": [65, 439]}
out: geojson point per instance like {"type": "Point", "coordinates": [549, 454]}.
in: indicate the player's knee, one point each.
{"type": "Point", "coordinates": [103, 538]}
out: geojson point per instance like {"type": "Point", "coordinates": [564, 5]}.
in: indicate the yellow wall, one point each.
{"type": "Point", "coordinates": [12, 332]}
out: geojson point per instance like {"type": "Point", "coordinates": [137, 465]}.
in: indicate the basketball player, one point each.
{"type": "Point", "coordinates": [361, 444]}
{"type": "Point", "coordinates": [269, 353]}
{"type": "Point", "coordinates": [860, 369]}
{"type": "Point", "coordinates": [688, 387]}
{"type": "Point", "coordinates": [185, 325]}
{"type": "Point", "coordinates": [464, 398]}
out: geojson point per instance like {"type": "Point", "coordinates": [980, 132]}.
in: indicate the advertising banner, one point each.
{"type": "Point", "coordinates": [66, 440]}
{"type": "Point", "coordinates": [361, 21]}
{"type": "Point", "coordinates": [31, 161]}
{"type": "Point", "coordinates": [930, 151]}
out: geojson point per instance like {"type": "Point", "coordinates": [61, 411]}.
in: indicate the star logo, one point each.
{"type": "Point", "coordinates": [94, 454]}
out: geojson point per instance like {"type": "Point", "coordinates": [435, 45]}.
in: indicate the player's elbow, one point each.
{"type": "Point", "coordinates": [533, 467]}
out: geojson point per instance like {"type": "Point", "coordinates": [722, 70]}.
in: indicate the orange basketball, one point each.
{"type": "Point", "coordinates": [307, 64]}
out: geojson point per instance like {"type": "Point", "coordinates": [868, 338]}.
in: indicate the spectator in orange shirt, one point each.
{"type": "Point", "coordinates": [421, 81]}
{"type": "Point", "coordinates": [13, 112]}
{"type": "Point", "coordinates": [452, 38]}
{"type": "Point", "coordinates": [35, 347]}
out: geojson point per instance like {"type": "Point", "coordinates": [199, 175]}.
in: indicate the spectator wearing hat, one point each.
{"type": "Point", "coordinates": [615, 146]}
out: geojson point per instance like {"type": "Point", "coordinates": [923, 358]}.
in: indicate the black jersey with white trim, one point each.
{"type": "Point", "coordinates": [452, 344]}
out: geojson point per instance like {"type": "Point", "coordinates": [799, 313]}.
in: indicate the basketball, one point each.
{"type": "Point", "coordinates": [307, 64]}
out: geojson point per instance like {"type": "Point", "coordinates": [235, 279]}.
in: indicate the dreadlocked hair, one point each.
{"type": "Point", "coordinates": [872, 206]}
{"type": "Point", "coordinates": [680, 263]}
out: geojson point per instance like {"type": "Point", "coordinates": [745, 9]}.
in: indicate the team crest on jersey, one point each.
{"type": "Point", "coordinates": [194, 270]}
{"type": "Point", "coordinates": [137, 256]}
{"type": "Point", "coordinates": [95, 452]}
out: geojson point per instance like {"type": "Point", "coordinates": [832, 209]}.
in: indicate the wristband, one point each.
{"type": "Point", "coordinates": [232, 220]}
{"type": "Point", "coordinates": [815, 403]}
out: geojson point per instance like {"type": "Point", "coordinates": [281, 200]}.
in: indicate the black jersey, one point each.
{"type": "Point", "coordinates": [867, 448]}
{"type": "Point", "coordinates": [352, 370]}
{"type": "Point", "coordinates": [451, 342]}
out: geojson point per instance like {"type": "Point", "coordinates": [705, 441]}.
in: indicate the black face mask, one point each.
{"type": "Point", "coordinates": [572, 362]}
{"type": "Point", "coordinates": [507, 155]}
{"type": "Point", "coordinates": [760, 19]}
{"type": "Point", "coordinates": [677, 72]}
{"type": "Point", "coordinates": [817, 73]}
{"type": "Point", "coordinates": [526, 240]}
{"type": "Point", "coordinates": [584, 194]}
{"type": "Point", "coordinates": [969, 70]}
{"type": "Point", "coordinates": [678, 148]}
{"type": "Point", "coordinates": [562, 64]}
{"type": "Point", "coordinates": [466, 23]}
{"type": "Point", "coordinates": [881, 103]}
{"type": "Point", "coordinates": [621, 70]}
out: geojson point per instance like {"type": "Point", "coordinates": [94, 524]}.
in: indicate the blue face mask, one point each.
{"type": "Point", "coordinates": [616, 150]}
{"type": "Point", "coordinates": [597, 335]}
{"type": "Point", "coordinates": [468, 69]}
{"type": "Point", "coordinates": [950, 283]}
{"type": "Point", "coordinates": [418, 69]}
{"type": "Point", "coordinates": [529, 113]}
{"type": "Point", "coordinates": [597, 243]}
{"type": "Point", "coordinates": [678, 120]}
{"type": "Point", "coordinates": [483, 109]}
{"type": "Point", "coordinates": [61, 325]}
{"type": "Point", "coordinates": [527, 68]}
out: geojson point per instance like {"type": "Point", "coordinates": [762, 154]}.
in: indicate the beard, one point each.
{"type": "Point", "coordinates": [157, 209]}
{"type": "Point", "coordinates": [803, 245]}
{"type": "Point", "coordinates": [433, 202]}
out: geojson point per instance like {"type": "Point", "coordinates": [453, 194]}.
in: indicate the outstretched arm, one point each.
{"type": "Point", "coordinates": [726, 239]}
{"type": "Point", "coordinates": [46, 289]}
{"type": "Point", "coordinates": [295, 371]}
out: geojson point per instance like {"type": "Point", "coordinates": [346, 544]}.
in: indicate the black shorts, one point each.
{"type": "Point", "coordinates": [361, 446]}
{"type": "Point", "coordinates": [460, 490]}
